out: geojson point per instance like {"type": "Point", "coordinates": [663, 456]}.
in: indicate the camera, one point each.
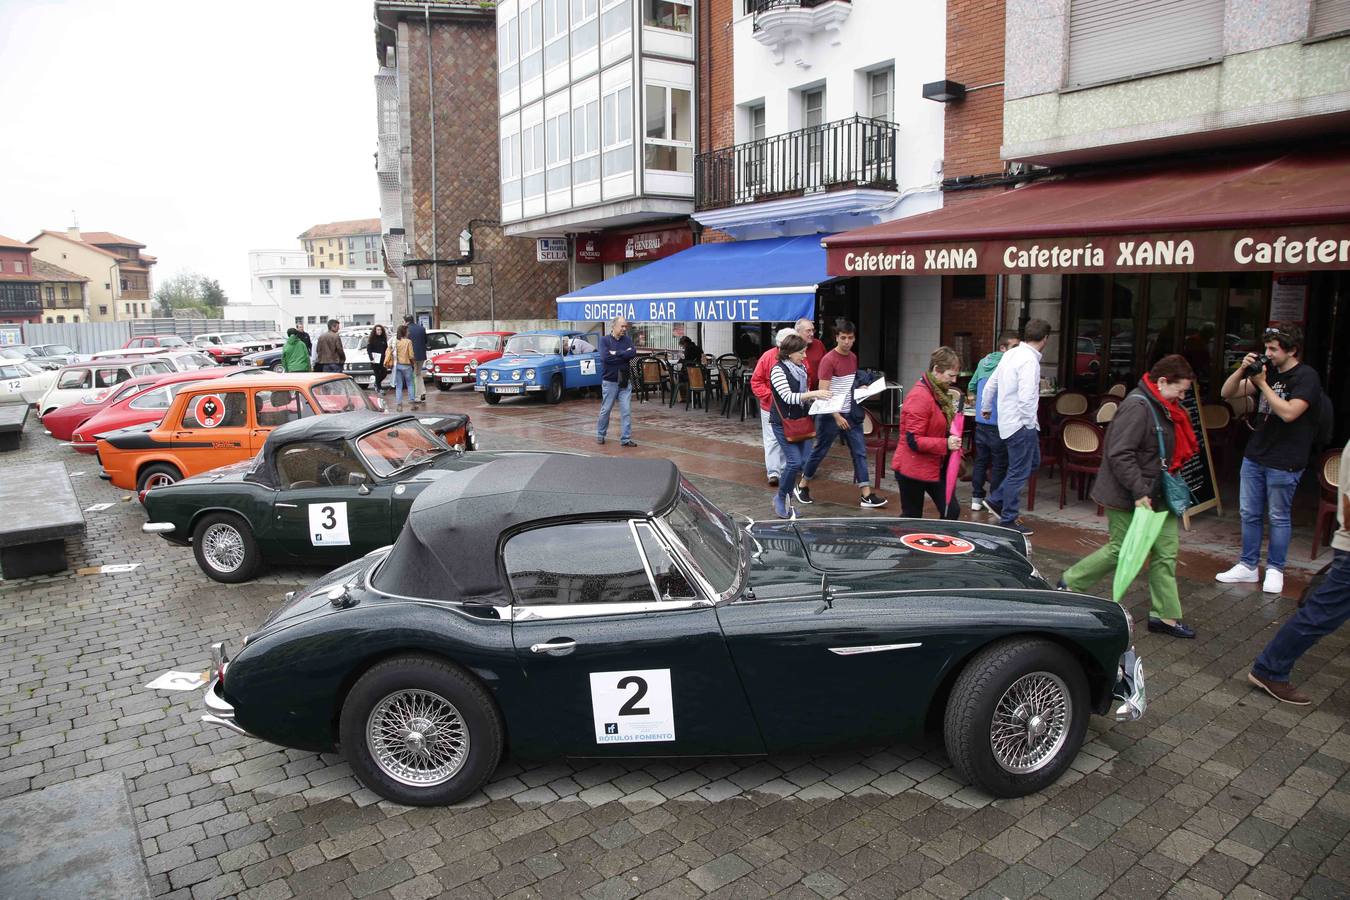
{"type": "Point", "coordinates": [1257, 365]}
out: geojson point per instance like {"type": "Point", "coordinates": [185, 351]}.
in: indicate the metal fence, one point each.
{"type": "Point", "coordinates": [91, 337]}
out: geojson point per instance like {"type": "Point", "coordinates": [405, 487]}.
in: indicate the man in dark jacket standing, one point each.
{"type": "Point", "coordinates": [616, 350]}
{"type": "Point", "coordinates": [330, 356]}
{"type": "Point", "coordinates": [418, 335]}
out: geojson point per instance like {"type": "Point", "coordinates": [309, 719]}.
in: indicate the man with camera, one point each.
{"type": "Point", "coordinates": [1282, 438]}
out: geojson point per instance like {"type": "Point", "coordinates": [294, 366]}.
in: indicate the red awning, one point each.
{"type": "Point", "coordinates": [1290, 211]}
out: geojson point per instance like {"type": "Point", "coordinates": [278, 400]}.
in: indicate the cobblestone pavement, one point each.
{"type": "Point", "coordinates": [1218, 792]}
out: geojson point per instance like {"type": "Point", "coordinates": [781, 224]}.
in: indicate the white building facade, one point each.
{"type": "Point", "coordinates": [286, 290]}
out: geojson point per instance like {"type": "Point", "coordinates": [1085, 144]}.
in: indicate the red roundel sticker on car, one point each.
{"type": "Point", "coordinates": [209, 410]}
{"type": "Point", "coordinates": [941, 544]}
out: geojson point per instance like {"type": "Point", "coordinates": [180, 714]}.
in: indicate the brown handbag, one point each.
{"type": "Point", "coordinates": [794, 430]}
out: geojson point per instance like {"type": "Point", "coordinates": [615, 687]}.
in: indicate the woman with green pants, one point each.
{"type": "Point", "coordinates": [1130, 476]}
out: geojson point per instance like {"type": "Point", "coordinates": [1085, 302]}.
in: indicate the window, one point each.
{"type": "Point", "coordinates": [317, 464]}
{"type": "Point", "coordinates": [50, 291]}
{"type": "Point", "coordinates": [813, 114]}
{"type": "Point", "coordinates": [377, 284]}
{"type": "Point", "coordinates": [295, 287]}
{"type": "Point", "coordinates": [324, 287]}
{"type": "Point", "coordinates": [617, 130]}
{"type": "Point", "coordinates": [1329, 17]}
{"type": "Point", "coordinates": [159, 398]}
{"type": "Point", "coordinates": [669, 143]}
{"type": "Point", "coordinates": [510, 168]}
{"type": "Point", "coordinates": [555, 33]}
{"type": "Point", "coordinates": [218, 409]}
{"type": "Point", "coordinates": [757, 122]}
{"type": "Point", "coordinates": [109, 377]}
{"type": "Point", "coordinates": [18, 267]}
{"type": "Point", "coordinates": [616, 19]}
{"type": "Point", "coordinates": [311, 260]}
{"type": "Point", "coordinates": [124, 284]}
{"type": "Point", "coordinates": [269, 284]}
{"type": "Point", "coordinates": [584, 562]}
{"type": "Point", "coordinates": [881, 95]}
{"type": "Point", "coordinates": [60, 319]}
{"type": "Point", "coordinates": [557, 141]}
{"type": "Point", "coordinates": [341, 261]}
{"type": "Point", "coordinates": [531, 40]}
{"type": "Point", "coordinates": [330, 257]}
{"type": "Point", "coordinates": [74, 318]}
{"type": "Point", "coordinates": [586, 142]}
{"type": "Point", "coordinates": [1112, 40]}
{"type": "Point", "coordinates": [676, 15]}
{"type": "Point", "coordinates": [667, 577]}
{"type": "Point", "coordinates": [585, 26]}
{"type": "Point", "coordinates": [103, 310]}
{"type": "Point", "coordinates": [349, 284]}
{"type": "Point", "coordinates": [532, 159]}
{"type": "Point", "coordinates": [273, 408]}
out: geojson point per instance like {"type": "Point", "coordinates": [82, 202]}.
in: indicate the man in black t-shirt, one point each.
{"type": "Point", "coordinates": [1284, 427]}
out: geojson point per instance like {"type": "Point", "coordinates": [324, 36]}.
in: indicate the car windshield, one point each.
{"type": "Point", "coordinates": [442, 340]}
{"type": "Point", "coordinates": [10, 353]}
{"type": "Point", "coordinates": [405, 444]}
{"type": "Point", "coordinates": [172, 341]}
{"type": "Point", "coordinates": [708, 534]}
{"type": "Point", "coordinates": [338, 395]}
{"type": "Point", "coordinates": [25, 352]}
{"type": "Point", "coordinates": [236, 337]}
{"type": "Point", "coordinates": [353, 341]}
{"type": "Point", "coordinates": [533, 343]}
{"type": "Point", "coordinates": [478, 342]}
{"type": "Point", "coordinates": [28, 368]}
{"type": "Point", "coordinates": [57, 350]}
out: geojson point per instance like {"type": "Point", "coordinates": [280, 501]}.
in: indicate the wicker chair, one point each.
{"type": "Point", "coordinates": [1081, 442]}
{"type": "Point", "coordinates": [654, 374]}
{"type": "Point", "coordinates": [1217, 418]}
{"type": "Point", "coordinates": [696, 388]}
{"type": "Point", "coordinates": [1106, 411]}
{"type": "Point", "coordinates": [1328, 469]}
{"type": "Point", "coordinates": [1118, 390]}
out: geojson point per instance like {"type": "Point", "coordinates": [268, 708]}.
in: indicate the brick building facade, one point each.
{"type": "Point", "coordinates": [461, 88]}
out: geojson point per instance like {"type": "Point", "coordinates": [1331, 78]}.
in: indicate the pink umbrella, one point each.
{"type": "Point", "coordinates": [954, 458]}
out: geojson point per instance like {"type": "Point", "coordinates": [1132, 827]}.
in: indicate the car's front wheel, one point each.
{"type": "Point", "coordinates": [443, 385]}
{"type": "Point", "coordinates": [225, 548]}
{"type": "Point", "coordinates": [555, 390]}
{"type": "Point", "coordinates": [491, 399]}
{"type": "Point", "coordinates": [1016, 716]}
{"type": "Point", "coordinates": [420, 731]}
{"type": "Point", "coordinates": [279, 367]}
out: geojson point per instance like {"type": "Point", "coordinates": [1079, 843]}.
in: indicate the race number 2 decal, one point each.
{"type": "Point", "coordinates": [328, 525]}
{"type": "Point", "coordinates": [632, 707]}
{"type": "Point", "coordinates": [588, 367]}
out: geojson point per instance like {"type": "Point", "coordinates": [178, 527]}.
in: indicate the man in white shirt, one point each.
{"type": "Point", "coordinates": [1016, 387]}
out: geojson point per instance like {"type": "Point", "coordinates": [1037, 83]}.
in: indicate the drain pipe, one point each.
{"type": "Point", "coordinates": [431, 122]}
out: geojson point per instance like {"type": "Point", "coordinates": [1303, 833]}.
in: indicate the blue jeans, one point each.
{"type": "Point", "coordinates": [827, 429]}
{"type": "Point", "coordinates": [609, 390]}
{"type": "Point", "coordinates": [403, 383]}
{"type": "Point", "coordinates": [328, 367]}
{"type": "Point", "coordinates": [1322, 613]}
{"type": "Point", "coordinates": [1266, 493]}
{"type": "Point", "coordinates": [1024, 457]}
{"type": "Point", "coordinates": [991, 459]}
{"type": "Point", "coordinates": [794, 457]}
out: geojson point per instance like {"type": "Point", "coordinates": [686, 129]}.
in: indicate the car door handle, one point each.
{"type": "Point", "coordinates": [553, 646]}
{"type": "Point", "coordinates": [285, 505]}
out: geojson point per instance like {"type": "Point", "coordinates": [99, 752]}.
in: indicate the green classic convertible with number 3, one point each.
{"type": "Point", "coordinates": [560, 605]}
{"type": "Point", "coordinates": [323, 489]}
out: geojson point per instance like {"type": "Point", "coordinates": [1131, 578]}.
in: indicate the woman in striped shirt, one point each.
{"type": "Point", "coordinates": [789, 381]}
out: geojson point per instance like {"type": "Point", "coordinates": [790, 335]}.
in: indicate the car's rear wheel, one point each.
{"type": "Point", "coordinates": [225, 548]}
{"type": "Point", "coordinates": [491, 399]}
{"type": "Point", "coordinates": [157, 475]}
{"type": "Point", "coordinates": [420, 731]}
{"type": "Point", "coordinates": [1016, 716]}
{"type": "Point", "coordinates": [279, 367]}
{"type": "Point", "coordinates": [555, 390]}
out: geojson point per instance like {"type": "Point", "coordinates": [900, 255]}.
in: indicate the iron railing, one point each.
{"type": "Point", "coordinates": [853, 152]}
{"type": "Point", "coordinates": [759, 7]}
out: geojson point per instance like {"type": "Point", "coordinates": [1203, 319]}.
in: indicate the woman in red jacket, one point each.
{"type": "Point", "coordinates": [925, 438]}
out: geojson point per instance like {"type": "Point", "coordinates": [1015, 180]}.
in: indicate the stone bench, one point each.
{"type": "Point", "coordinates": [13, 416]}
{"type": "Point", "coordinates": [40, 513]}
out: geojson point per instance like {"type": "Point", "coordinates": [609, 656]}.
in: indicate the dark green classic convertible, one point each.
{"type": "Point", "coordinates": [560, 605]}
{"type": "Point", "coordinates": [323, 489]}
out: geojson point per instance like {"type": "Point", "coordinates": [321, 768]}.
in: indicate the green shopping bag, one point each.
{"type": "Point", "coordinates": [1144, 530]}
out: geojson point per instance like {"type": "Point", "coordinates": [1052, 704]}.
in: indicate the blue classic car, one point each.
{"type": "Point", "coordinates": [548, 361]}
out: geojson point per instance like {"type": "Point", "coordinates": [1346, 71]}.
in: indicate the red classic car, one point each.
{"type": "Point", "coordinates": [460, 365]}
{"type": "Point", "coordinates": [63, 420]}
{"type": "Point", "coordinates": [146, 404]}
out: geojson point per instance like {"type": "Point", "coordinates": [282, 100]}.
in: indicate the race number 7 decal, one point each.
{"type": "Point", "coordinates": [632, 707]}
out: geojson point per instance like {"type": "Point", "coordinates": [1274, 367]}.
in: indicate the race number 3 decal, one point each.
{"type": "Point", "coordinates": [328, 525]}
{"type": "Point", "coordinates": [588, 367]}
{"type": "Point", "coordinates": [632, 707]}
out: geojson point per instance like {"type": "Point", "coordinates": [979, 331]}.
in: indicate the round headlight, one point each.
{"type": "Point", "coordinates": [473, 364]}
{"type": "Point", "coordinates": [496, 376]}
{"type": "Point", "coordinates": [529, 374]}
{"type": "Point", "coordinates": [482, 376]}
{"type": "Point", "coordinates": [515, 374]}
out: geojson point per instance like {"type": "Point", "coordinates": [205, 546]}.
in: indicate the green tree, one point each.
{"type": "Point", "coordinates": [212, 294]}
{"type": "Point", "coordinates": [190, 290]}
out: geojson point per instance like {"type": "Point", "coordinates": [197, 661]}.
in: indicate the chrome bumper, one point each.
{"type": "Point", "coordinates": [1129, 697]}
{"type": "Point", "coordinates": [219, 711]}
{"type": "Point", "coordinates": [157, 527]}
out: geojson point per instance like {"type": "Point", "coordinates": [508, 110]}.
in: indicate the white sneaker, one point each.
{"type": "Point", "coordinates": [976, 504]}
{"type": "Point", "coordinates": [1274, 581]}
{"type": "Point", "coordinates": [1239, 574]}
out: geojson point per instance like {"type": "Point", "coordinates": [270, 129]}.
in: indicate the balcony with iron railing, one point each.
{"type": "Point", "coordinates": [757, 8]}
{"type": "Point", "coordinates": [780, 23]}
{"type": "Point", "coordinates": [857, 152]}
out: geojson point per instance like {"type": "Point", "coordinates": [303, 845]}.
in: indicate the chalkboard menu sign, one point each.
{"type": "Point", "coordinates": [1198, 471]}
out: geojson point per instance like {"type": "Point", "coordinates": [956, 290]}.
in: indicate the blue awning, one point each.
{"type": "Point", "coordinates": [772, 280]}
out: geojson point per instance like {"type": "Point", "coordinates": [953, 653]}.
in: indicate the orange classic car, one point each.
{"type": "Point", "coordinates": [220, 422]}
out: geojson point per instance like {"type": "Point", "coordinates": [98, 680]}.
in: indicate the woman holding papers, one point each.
{"type": "Point", "coordinates": [839, 375]}
{"type": "Point", "coordinates": [788, 417]}
{"type": "Point", "coordinates": [926, 439]}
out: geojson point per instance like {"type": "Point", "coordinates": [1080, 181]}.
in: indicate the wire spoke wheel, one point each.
{"type": "Point", "coordinates": [223, 547]}
{"type": "Point", "coordinates": [1031, 722]}
{"type": "Point", "coordinates": [417, 738]}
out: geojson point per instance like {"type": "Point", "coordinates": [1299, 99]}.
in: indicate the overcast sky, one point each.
{"type": "Point", "coordinates": [200, 130]}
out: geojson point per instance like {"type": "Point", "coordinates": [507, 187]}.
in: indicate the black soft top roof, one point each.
{"type": "Point", "coordinates": [449, 548]}
{"type": "Point", "coordinates": [328, 427]}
